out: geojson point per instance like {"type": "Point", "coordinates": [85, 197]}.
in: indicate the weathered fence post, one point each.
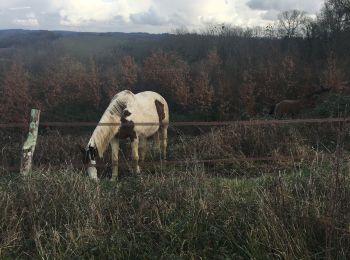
{"type": "Point", "coordinates": [29, 144]}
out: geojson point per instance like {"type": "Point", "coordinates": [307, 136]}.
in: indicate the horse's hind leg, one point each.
{"type": "Point", "coordinates": [143, 148]}
{"type": "Point", "coordinates": [115, 155]}
{"type": "Point", "coordinates": [135, 154]}
{"type": "Point", "coordinates": [164, 141]}
{"type": "Point", "coordinates": [157, 142]}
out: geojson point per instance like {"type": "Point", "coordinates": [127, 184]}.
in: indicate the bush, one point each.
{"type": "Point", "coordinates": [333, 106]}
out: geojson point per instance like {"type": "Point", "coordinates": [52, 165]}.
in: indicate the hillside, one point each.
{"type": "Point", "coordinates": [203, 76]}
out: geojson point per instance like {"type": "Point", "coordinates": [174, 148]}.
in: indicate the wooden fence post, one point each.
{"type": "Point", "coordinates": [29, 144]}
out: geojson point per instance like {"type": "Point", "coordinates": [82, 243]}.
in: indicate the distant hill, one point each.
{"type": "Point", "coordinates": [78, 44]}
{"type": "Point", "coordinates": [24, 37]}
{"type": "Point", "coordinates": [17, 38]}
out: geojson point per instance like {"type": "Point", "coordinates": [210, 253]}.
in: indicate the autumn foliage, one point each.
{"type": "Point", "coordinates": [222, 73]}
{"type": "Point", "coordinates": [127, 73]}
{"type": "Point", "coordinates": [168, 73]}
{"type": "Point", "coordinates": [15, 97]}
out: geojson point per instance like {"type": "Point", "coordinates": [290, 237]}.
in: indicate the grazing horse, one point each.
{"type": "Point", "coordinates": [136, 117]}
{"type": "Point", "coordinates": [288, 107]}
{"type": "Point", "coordinates": [292, 107]}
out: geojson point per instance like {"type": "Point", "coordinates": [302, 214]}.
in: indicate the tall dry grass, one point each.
{"type": "Point", "coordinates": [175, 215]}
{"type": "Point", "coordinates": [301, 143]}
{"type": "Point", "coordinates": [192, 211]}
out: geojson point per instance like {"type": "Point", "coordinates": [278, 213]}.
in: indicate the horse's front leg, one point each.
{"type": "Point", "coordinates": [115, 155]}
{"type": "Point", "coordinates": [143, 148]}
{"type": "Point", "coordinates": [135, 153]}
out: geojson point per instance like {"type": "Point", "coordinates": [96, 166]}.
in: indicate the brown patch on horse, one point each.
{"type": "Point", "coordinates": [127, 127]}
{"type": "Point", "coordinates": [160, 110]}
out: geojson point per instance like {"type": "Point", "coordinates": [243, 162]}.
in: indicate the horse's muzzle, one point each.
{"type": "Point", "coordinates": [91, 170]}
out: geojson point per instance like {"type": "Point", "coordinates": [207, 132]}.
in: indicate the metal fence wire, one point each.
{"type": "Point", "coordinates": [189, 123]}
{"type": "Point", "coordinates": [339, 122]}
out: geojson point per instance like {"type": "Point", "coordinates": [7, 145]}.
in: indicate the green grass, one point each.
{"type": "Point", "coordinates": [175, 215]}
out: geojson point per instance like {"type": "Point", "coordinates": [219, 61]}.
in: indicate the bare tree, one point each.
{"type": "Point", "coordinates": [290, 23]}
{"type": "Point", "coordinates": [335, 15]}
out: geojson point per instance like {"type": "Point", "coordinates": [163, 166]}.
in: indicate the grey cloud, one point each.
{"type": "Point", "coordinates": [264, 4]}
{"type": "Point", "coordinates": [179, 20]}
{"type": "Point", "coordinates": [163, 16]}
{"type": "Point", "coordinates": [19, 8]}
{"type": "Point", "coordinates": [150, 17]}
{"type": "Point", "coordinates": [311, 6]}
{"type": "Point", "coordinates": [274, 7]}
{"type": "Point", "coordinates": [270, 15]}
{"type": "Point", "coordinates": [26, 14]}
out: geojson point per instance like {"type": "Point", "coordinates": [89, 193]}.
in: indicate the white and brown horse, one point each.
{"type": "Point", "coordinates": [134, 116]}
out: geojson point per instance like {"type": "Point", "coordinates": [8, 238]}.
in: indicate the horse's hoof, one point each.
{"type": "Point", "coordinates": [138, 170]}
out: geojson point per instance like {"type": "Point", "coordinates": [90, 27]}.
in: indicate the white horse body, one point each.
{"type": "Point", "coordinates": [145, 102]}
{"type": "Point", "coordinates": [131, 116]}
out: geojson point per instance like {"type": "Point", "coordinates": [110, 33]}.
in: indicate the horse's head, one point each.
{"type": "Point", "coordinates": [89, 160]}
{"type": "Point", "coordinates": [89, 155]}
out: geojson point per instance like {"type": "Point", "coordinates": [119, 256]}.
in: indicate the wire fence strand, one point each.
{"type": "Point", "coordinates": [188, 123]}
{"type": "Point", "coordinates": [191, 123]}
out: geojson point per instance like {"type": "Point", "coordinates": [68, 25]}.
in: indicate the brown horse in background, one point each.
{"type": "Point", "coordinates": [292, 107]}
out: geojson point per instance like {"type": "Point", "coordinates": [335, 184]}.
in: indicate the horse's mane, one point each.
{"type": "Point", "coordinates": [109, 123]}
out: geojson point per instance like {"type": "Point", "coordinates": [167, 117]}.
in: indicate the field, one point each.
{"type": "Point", "coordinates": [244, 210]}
{"type": "Point", "coordinates": [295, 205]}
{"type": "Point", "coordinates": [276, 190]}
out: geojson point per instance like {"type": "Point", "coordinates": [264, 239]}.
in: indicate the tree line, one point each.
{"type": "Point", "coordinates": [220, 72]}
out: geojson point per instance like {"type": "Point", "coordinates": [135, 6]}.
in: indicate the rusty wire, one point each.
{"type": "Point", "coordinates": [191, 123]}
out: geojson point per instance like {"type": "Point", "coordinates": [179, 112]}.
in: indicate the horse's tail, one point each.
{"type": "Point", "coordinates": [272, 109]}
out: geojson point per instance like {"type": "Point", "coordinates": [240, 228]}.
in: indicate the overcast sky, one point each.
{"type": "Point", "coordinates": [153, 16]}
